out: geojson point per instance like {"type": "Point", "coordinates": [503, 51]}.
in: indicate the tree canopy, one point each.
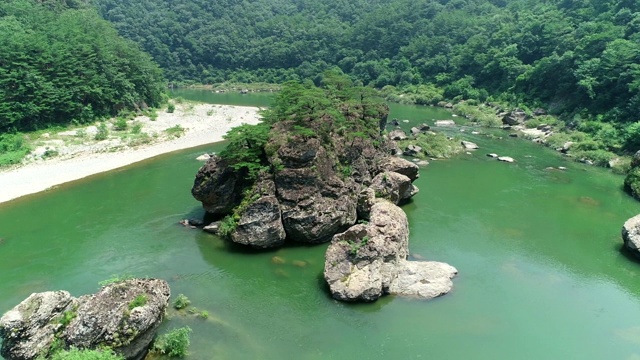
{"type": "Point", "coordinates": [60, 62]}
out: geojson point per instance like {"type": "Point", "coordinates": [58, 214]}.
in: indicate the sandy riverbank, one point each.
{"type": "Point", "coordinates": [76, 154]}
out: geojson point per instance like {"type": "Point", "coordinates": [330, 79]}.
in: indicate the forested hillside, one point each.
{"type": "Point", "coordinates": [61, 63]}
{"type": "Point", "coordinates": [574, 56]}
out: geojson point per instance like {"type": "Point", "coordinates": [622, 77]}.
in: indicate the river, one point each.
{"type": "Point", "coordinates": [541, 275]}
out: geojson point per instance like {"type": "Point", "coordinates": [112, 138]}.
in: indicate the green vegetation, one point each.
{"type": "Point", "coordinates": [181, 302]}
{"type": "Point", "coordinates": [61, 63]}
{"type": "Point", "coordinates": [435, 145]}
{"type": "Point", "coordinates": [12, 149]}
{"type": "Point", "coordinates": [174, 344]}
{"type": "Point", "coordinates": [171, 108]}
{"type": "Point", "coordinates": [115, 279]}
{"type": "Point", "coordinates": [140, 300]}
{"type": "Point", "coordinates": [354, 246]}
{"type": "Point", "coordinates": [66, 318]}
{"type": "Point", "coordinates": [103, 132]}
{"type": "Point", "coordinates": [175, 131]}
{"type": "Point", "coordinates": [77, 354]}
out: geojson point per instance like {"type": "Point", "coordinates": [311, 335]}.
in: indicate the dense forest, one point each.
{"type": "Point", "coordinates": [572, 56]}
{"type": "Point", "coordinates": [60, 63]}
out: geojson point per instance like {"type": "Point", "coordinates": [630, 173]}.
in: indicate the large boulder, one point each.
{"type": "Point", "coordinates": [515, 117]}
{"type": "Point", "coordinates": [631, 235]}
{"type": "Point", "coordinates": [393, 187]}
{"type": "Point", "coordinates": [361, 262]}
{"type": "Point", "coordinates": [369, 260]}
{"type": "Point", "coordinates": [397, 135]}
{"type": "Point", "coordinates": [423, 279]}
{"type": "Point", "coordinates": [218, 186]}
{"type": "Point", "coordinates": [401, 166]}
{"type": "Point", "coordinates": [123, 316]}
{"type": "Point", "coordinates": [260, 225]}
{"type": "Point", "coordinates": [29, 329]}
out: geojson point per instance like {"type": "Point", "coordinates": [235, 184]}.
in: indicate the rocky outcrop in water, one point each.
{"type": "Point", "coordinates": [123, 316]}
{"type": "Point", "coordinates": [369, 260]}
{"type": "Point", "coordinates": [631, 235]}
{"type": "Point", "coordinates": [315, 169]}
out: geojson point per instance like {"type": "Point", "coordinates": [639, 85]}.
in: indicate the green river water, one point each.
{"type": "Point", "coordinates": [541, 275]}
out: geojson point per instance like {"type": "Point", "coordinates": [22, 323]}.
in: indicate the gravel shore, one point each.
{"type": "Point", "coordinates": [76, 153]}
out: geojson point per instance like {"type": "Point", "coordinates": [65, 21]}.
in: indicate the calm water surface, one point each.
{"type": "Point", "coordinates": [538, 251]}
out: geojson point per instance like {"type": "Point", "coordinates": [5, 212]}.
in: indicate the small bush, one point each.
{"type": "Point", "coordinates": [204, 314]}
{"type": "Point", "coordinates": [153, 115]}
{"type": "Point", "coordinates": [66, 318]}
{"type": "Point", "coordinates": [227, 226]}
{"type": "Point", "coordinates": [102, 133]}
{"type": "Point", "coordinates": [120, 124]}
{"type": "Point", "coordinates": [632, 182]}
{"type": "Point", "coordinates": [181, 302]}
{"type": "Point", "coordinates": [174, 343]}
{"type": "Point", "coordinates": [136, 128]}
{"type": "Point", "coordinates": [171, 108]}
{"type": "Point", "coordinates": [140, 300]}
{"type": "Point", "coordinates": [175, 131]}
{"type": "Point", "coordinates": [13, 149]}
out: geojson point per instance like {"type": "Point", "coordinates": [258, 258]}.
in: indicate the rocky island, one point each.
{"type": "Point", "coordinates": [122, 316]}
{"type": "Point", "coordinates": [320, 168]}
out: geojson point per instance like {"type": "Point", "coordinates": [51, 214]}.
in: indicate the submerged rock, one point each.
{"type": "Point", "coordinates": [505, 159]}
{"type": "Point", "coordinates": [423, 279]}
{"type": "Point", "coordinates": [468, 145]}
{"type": "Point", "coordinates": [445, 123]}
{"type": "Point", "coordinates": [106, 318]}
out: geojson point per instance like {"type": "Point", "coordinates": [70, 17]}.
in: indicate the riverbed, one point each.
{"type": "Point", "coordinates": [541, 275]}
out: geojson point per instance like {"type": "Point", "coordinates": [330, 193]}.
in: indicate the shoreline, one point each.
{"type": "Point", "coordinates": [203, 124]}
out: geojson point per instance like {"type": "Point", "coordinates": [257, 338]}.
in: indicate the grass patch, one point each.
{"type": "Point", "coordinates": [86, 354]}
{"type": "Point", "coordinates": [175, 131]}
{"type": "Point", "coordinates": [140, 300]}
{"type": "Point", "coordinates": [435, 145]}
{"type": "Point", "coordinates": [13, 148]}
{"type": "Point", "coordinates": [115, 279]}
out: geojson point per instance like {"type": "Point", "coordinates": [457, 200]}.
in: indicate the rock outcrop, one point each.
{"type": "Point", "coordinates": [218, 186]}
{"type": "Point", "coordinates": [123, 316]}
{"type": "Point", "coordinates": [369, 260]}
{"type": "Point", "coordinates": [631, 235]}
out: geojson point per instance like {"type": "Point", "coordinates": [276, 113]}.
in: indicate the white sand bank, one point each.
{"type": "Point", "coordinates": [79, 156]}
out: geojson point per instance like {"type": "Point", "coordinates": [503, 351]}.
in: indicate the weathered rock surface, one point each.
{"type": "Point", "coordinates": [397, 135]}
{"type": "Point", "coordinates": [412, 150]}
{"type": "Point", "coordinates": [218, 186]}
{"type": "Point", "coordinates": [631, 235]}
{"type": "Point", "coordinates": [393, 187]}
{"type": "Point", "coordinates": [260, 225]}
{"type": "Point", "coordinates": [515, 117]}
{"type": "Point", "coordinates": [101, 319]}
{"type": "Point", "coordinates": [401, 166]}
{"type": "Point", "coordinates": [28, 329]}
{"type": "Point", "coordinates": [423, 279]}
{"type": "Point", "coordinates": [369, 260]}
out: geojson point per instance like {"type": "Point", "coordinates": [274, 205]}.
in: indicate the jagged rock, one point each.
{"type": "Point", "coordinates": [445, 123]}
{"type": "Point", "coordinates": [369, 260]}
{"type": "Point", "coordinates": [361, 262]}
{"type": "Point", "coordinates": [415, 131]}
{"type": "Point", "coordinates": [313, 209]}
{"type": "Point", "coordinates": [423, 279]}
{"type": "Point", "coordinates": [401, 166]}
{"type": "Point", "coordinates": [631, 235]}
{"type": "Point", "coordinates": [412, 150]}
{"type": "Point", "coordinates": [102, 319]}
{"type": "Point", "coordinates": [424, 127]}
{"type": "Point", "coordinates": [366, 199]}
{"type": "Point", "coordinates": [516, 117]}
{"type": "Point", "coordinates": [393, 187]}
{"type": "Point", "coordinates": [218, 186]}
{"type": "Point", "coordinates": [395, 122]}
{"type": "Point", "coordinates": [506, 159]}
{"type": "Point", "coordinates": [468, 145]}
{"type": "Point", "coordinates": [260, 225]}
{"type": "Point", "coordinates": [539, 111]}
{"type": "Point", "coordinates": [29, 328]}
{"type": "Point", "coordinates": [397, 135]}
